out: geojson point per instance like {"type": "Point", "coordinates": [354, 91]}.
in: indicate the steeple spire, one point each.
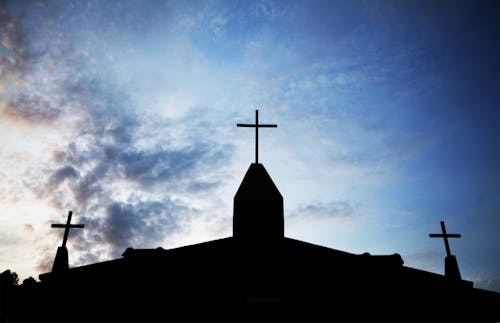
{"type": "Point", "coordinates": [258, 204]}
{"type": "Point", "coordinates": [61, 261]}
{"type": "Point", "coordinates": [450, 261]}
{"type": "Point", "coordinates": [258, 207]}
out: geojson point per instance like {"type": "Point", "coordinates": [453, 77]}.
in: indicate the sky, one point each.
{"type": "Point", "coordinates": [125, 113]}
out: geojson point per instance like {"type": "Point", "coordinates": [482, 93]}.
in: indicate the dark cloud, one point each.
{"type": "Point", "coordinates": [45, 262]}
{"type": "Point", "coordinates": [430, 259]}
{"type": "Point", "coordinates": [121, 220]}
{"type": "Point", "coordinates": [90, 184]}
{"type": "Point", "coordinates": [490, 283]}
{"type": "Point", "coordinates": [197, 186]}
{"type": "Point", "coordinates": [112, 160]}
{"type": "Point", "coordinates": [17, 61]}
{"type": "Point", "coordinates": [62, 174]}
{"type": "Point", "coordinates": [120, 20]}
{"type": "Point", "coordinates": [106, 145]}
{"type": "Point", "coordinates": [107, 155]}
{"type": "Point", "coordinates": [149, 167]}
{"type": "Point", "coordinates": [16, 39]}
{"type": "Point", "coordinates": [142, 224]}
{"type": "Point", "coordinates": [32, 109]}
{"type": "Point", "coordinates": [337, 209]}
{"type": "Point", "coordinates": [27, 227]}
{"type": "Point", "coordinates": [121, 170]}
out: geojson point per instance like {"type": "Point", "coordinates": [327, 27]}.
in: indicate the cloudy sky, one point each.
{"type": "Point", "coordinates": [125, 112]}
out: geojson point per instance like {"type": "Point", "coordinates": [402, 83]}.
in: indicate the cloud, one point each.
{"type": "Point", "coordinates": [431, 260]}
{"type": "Point", "coordinates": [7, 41]}
{"type": "Point", "coordinates": [20, 56]}
{"type": "Point", "coordinates": [149, 167]}
{"type": "Point", "coordinates": [128, 177]}
{"type": "Point", "coordinates": [31, 109]}
{"type": "Point", "coordinates": [117, 174]}
{"type": "Point", "coordinates": [45, 259]}
{"type": "Point", "coordinates": [269, 9]}
{"type": "Point", "coordinates": [61, 174]}
{"type": "Point", "coordinates": [339, 209]}
{"type": "Point", "coordinates": [28, 228]}
{"type": "Point", "coordinates": [120, 171]}
{"type": "Point", "coordinates": [490, 283]}
{"type": "Point", "coordinates": [141, 224]}
{"type": "Point", "coordinates": [8, 239]}
{"type": "Point", "coordinates": [25, 98]}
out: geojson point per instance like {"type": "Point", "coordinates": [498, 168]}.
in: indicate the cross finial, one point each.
{"type": "Point", "coordinates": [445, 237]}
{"type": "Point", "coordinates": [256, 126]}
{"type": "Point", "coordinates": [66, 227]}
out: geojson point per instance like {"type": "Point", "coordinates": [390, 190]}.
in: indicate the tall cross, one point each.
{"type": "Point", "coordinates": [66, 227]}
{"type": "Point", "coordinates": [445, 237]}
{"type": "Point", "coordinates": [256, 126]}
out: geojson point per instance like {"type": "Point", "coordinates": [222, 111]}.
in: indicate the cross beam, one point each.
{"type": "Point", "coordinates": [256, 126]}
{"type": "Point", "coordinates": [445, 237]}
{"type": "Point", "coordinates": [66, 227]}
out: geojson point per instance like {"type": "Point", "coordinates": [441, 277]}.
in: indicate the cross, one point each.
{"type": "Point", "coordinates": [66, 227]}
{"type": "Point", "coordinates": [445, 236]}
{"type": "Point", "coordinates": [256, 126]}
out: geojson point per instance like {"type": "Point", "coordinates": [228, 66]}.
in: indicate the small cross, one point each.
{"type": "Point", "coordinates": [256, 126]}
{"type": "Point", "coordinates": [445, 237]}
{"type": "Point", "coordinates": [66, 227]}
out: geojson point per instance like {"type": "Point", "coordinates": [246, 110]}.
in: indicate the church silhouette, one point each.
{"type": "Point", "coordinates": [257, 274]}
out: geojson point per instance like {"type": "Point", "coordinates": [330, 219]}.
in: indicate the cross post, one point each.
{"type": "Point", "coordinates": [445, 237]}
{"type": "Point", "coordinates": [66, 227]}
{"type": "Point", "coordinates": [256, 126]}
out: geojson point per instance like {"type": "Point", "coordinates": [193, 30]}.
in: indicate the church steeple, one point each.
{"type": "Point", "coordinates": [61, 261]}
{"type": "Point", "coordinates": [258, 205]}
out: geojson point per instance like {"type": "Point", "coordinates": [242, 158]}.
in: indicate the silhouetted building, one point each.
{"type": "Point", "coordinates": [258, 274]}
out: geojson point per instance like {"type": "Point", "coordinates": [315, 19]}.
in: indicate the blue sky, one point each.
{"type": "Point", "coordinates": [125, 113]}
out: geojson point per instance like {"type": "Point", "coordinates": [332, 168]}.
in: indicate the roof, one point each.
{"type": "Point", "coordinates": [230, 278]}
{"type": "Point", "coordinates": [258, 274]}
